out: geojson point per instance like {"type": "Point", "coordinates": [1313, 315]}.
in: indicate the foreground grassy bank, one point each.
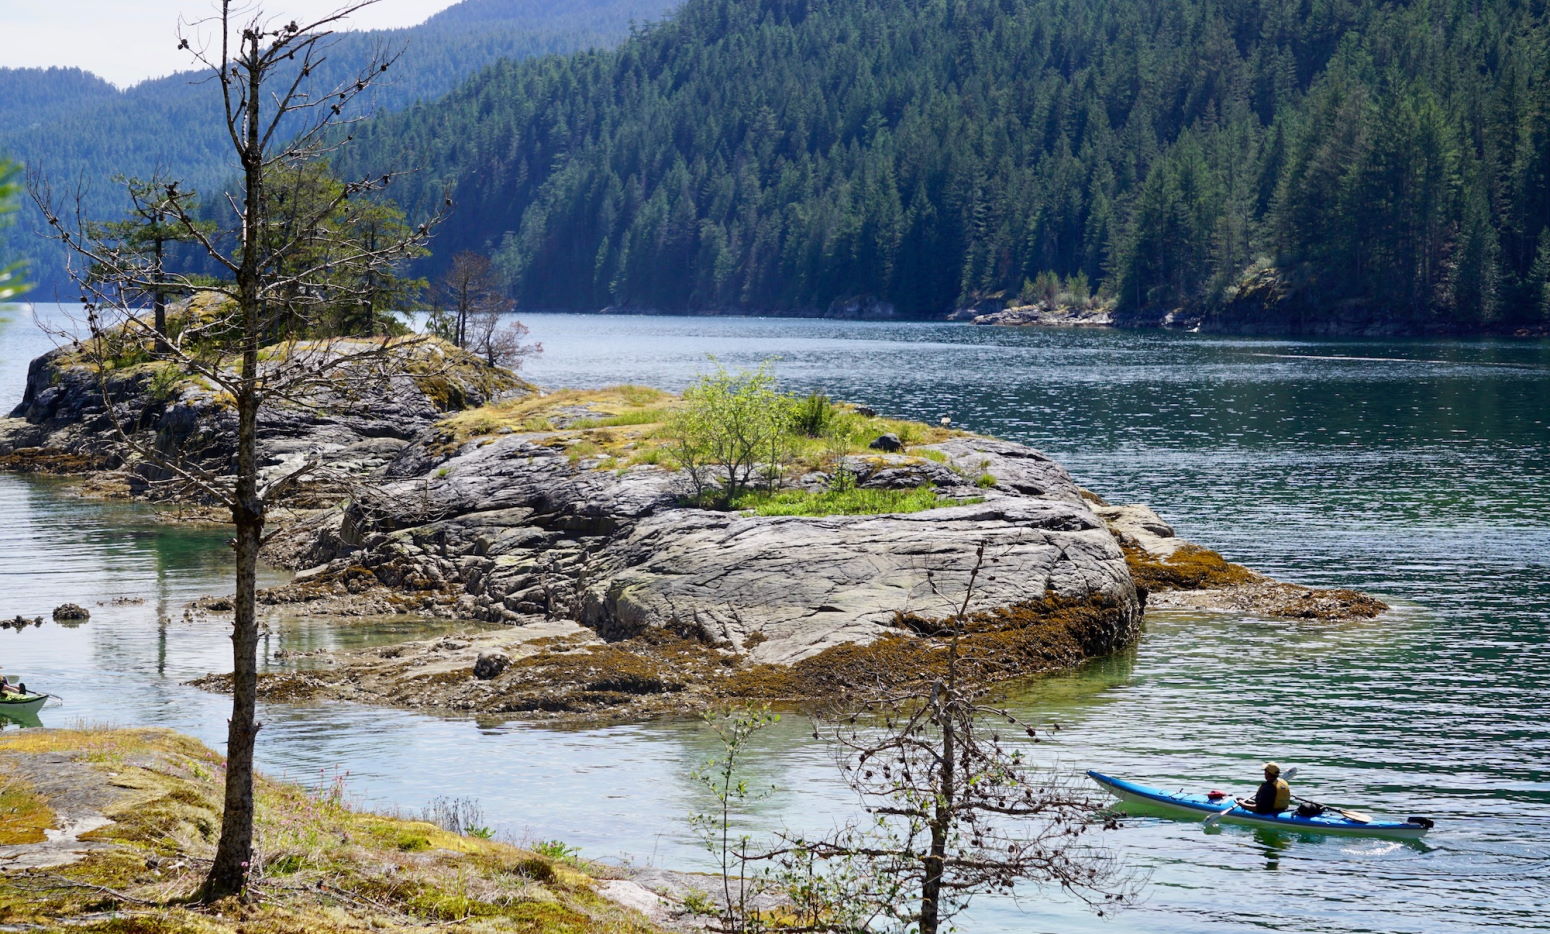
{"type": "Point", "coordinates": [111, 830]}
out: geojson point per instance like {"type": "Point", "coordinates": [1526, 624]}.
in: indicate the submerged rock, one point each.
{"type": "Point", "coordinates": [70, 612]}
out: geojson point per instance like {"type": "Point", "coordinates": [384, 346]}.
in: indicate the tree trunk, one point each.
{"type": "Point", "coordinates": [942, 819]}
{"type": "Point", "coordinates": [159, 298]}
{"type": "Point", "coordinates": [234, 853]}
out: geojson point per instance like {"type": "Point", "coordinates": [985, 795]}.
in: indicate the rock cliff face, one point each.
{"type": "Point", "coordinates": [511, 528]}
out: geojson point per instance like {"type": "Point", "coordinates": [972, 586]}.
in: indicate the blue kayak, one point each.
{"type": "Point", "coordinates": [1200, 806]}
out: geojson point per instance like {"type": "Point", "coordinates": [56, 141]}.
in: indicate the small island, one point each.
{"type": "Point", "coordinates": [624, 578]}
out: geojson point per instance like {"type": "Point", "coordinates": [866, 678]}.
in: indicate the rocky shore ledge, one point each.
{"type": "Point", "coordinates": [562, 519]}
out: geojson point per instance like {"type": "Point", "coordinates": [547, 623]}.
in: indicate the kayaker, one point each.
{"type": "Point", "coordinates": [6, 687]}
{"type": "Point", "coordinates": [1273, 796]}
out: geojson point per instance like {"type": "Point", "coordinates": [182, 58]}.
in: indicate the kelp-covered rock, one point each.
{"type": "Point", "coordinates": [1176, 574]}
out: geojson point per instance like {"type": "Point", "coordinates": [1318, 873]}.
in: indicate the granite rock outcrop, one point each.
{"type": "Point", "coordinates": [510, 528]}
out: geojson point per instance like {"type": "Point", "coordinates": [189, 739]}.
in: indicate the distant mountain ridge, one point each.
{"type": "Point", "coordinates": [78, 130]}
{"type": "Point", "coordinates": [1351, 166]}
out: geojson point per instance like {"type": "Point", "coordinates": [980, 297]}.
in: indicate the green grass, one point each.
{"type": "Point", "coordinates": [648, 416]}
{"type": "Point", "coordinates": [860, 502]}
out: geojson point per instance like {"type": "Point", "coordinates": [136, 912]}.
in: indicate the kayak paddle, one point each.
{"type": "Point", "coordinates": [1214, 818]}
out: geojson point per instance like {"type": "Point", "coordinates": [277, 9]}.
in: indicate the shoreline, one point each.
{"type": "Point", "coordinates": [559, 670]}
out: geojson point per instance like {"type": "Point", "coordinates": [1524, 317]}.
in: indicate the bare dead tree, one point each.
{"type": "Point", "coordinates": [500, 342]}
{"type": "Point", "coordinates": [957, 809]}
{"type": "Point", "coordinates": [470, 287]}
{"type": "Point", "coordinates": [472, 312]}
{"type": "Point", "coordinates": [253, 339]}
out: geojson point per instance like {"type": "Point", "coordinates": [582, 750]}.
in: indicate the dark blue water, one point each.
{"type": "Point", "coordinates": [1413, 469]}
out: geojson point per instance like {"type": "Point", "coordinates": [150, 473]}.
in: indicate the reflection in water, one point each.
{"type": "Point", "coordinates": [19, 719]}
{"type": "Point", "coordinates": [1421, 476]}
{"type": "Point", "coordinates": [1273, 845]}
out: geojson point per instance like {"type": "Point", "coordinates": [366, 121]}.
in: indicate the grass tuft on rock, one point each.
{"type": "Point", "coordinates": [852, 502]}
{"type": "Point", "coordinates": [618, 427]}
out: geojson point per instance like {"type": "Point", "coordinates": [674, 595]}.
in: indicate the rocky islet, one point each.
{"type": "Point", "coordinates": [619, 598]}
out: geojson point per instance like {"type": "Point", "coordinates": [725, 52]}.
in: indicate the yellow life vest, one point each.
{"type": "Point", "coordinates": [1283, 795]}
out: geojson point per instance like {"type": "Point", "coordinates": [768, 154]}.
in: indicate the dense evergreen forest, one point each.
{"type": "Point", "coordinates": [79, 131]}
{"type": "Point", "coordinates": [1335, 165]}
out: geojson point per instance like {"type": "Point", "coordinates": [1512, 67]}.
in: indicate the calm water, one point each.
{"type": "Point", "coordinates": [1416, 470]}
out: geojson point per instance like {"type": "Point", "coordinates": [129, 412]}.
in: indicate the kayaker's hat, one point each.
{"type": "Point", "coordinates": [1272, 769]}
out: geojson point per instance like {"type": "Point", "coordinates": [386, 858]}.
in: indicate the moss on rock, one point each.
{"type": "Point", "coordinates": [1189, 567]}
{"type": "Point", "coordinates": [1025, 639]}
{"type": "Point", "coordinates": [24, 814]}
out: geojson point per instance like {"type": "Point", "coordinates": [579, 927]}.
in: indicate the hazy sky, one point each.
{"type": "Point", "coordinates": [127, 41]}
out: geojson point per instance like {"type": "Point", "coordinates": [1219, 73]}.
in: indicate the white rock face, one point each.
{"type": "Point", "coordinates": [631, 895]}
{"type": "Point", "coordinates": [791, 587]}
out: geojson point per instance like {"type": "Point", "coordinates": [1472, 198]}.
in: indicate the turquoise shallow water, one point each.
{"type": "Point", "coordinates": [1413, 469]}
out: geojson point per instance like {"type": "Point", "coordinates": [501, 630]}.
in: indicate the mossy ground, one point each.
{"type": "Point", "coordinates": [853, 502]}
{"type": "Point", "coordinates": [320, 865]}
{"type": "Point", "coordinates": [618, 427]}
{"type": "Point", "coordinates": [24, 814]}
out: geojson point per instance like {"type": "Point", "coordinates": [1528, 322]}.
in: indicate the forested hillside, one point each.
{"type": "Point", "coordinates": [1290, 164]}
{"type": "Point", "coordinates": [79, 131]}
